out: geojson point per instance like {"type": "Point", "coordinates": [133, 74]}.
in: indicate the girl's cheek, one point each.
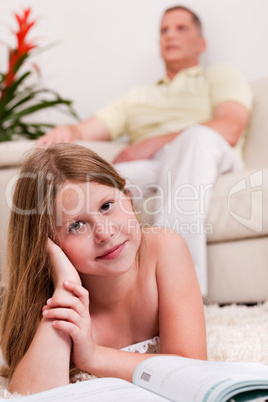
{"type": "Point", "coordinates": [125, 206]}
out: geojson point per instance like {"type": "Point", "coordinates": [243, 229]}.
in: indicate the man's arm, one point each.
{"type": "Point", "coordinates": [144, 149]}
{"type": "Point", "coordinates": [92, 129]}
{"type": "Point", "coordinates": [229, 119]}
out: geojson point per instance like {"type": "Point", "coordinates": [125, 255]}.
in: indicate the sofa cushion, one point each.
{"type": "Point", "coordinates": [256, 144]}
{"type": "Point", "coordinates": [238, 206]}
{"type": "Point", "coordinates": [11, 152]}
{"type": "Point", "coordinates": [237, 271]}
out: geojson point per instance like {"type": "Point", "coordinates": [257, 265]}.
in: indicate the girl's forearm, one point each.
{"type": "Point", "coordinates": [46, 363]}
{"type": "Point", "coordinates": [108, 362]}
{"type": "Point", "coordinates": [116, 363]}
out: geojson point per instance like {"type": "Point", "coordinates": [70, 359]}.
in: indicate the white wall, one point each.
{"type": "Point", "coordinates": [106, 47]}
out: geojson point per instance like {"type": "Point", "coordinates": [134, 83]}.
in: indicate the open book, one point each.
{"type": "Point", "coordinates": [163, 378]}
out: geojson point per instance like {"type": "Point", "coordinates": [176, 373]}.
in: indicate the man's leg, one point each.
{"type": "Point", "coordinates": [190, 165]}
{"type": "Point", "coordinates": [139, 175]}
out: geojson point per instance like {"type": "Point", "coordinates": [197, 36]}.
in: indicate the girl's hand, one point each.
{"type": "Point", "coordinates": [63, 269]}
{"type": "Point", "coordinates": [70, 312]}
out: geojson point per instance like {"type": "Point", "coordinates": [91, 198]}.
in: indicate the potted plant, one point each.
{"type": "Point", "coordinates": [19, 98]}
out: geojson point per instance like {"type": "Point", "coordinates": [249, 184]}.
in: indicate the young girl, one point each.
{"type": "Point", "coordinates": [85, 280]}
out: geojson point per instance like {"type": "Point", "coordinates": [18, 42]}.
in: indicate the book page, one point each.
{"type": "Point", "coordinates": [182, 379]}
{"type": "Point", "coordinates": [100, 389]}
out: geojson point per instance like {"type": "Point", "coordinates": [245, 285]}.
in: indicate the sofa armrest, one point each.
{"type": "Point", "coordinates": [13, 152]}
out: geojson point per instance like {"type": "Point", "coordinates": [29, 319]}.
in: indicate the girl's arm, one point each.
{"type": "Point", "coordinates": [181, 312]}
{"type": "Point", "coordinates": [181, 316]}
{"type": "Point", "coordinates": [46, 363]}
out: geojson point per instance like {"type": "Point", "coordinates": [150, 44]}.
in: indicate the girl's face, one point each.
{"type": "Point", "coordinates": [97, 228]}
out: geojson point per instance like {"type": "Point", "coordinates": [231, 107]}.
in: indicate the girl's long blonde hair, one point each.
{"type": "Point", "coordinates": [29, 271]}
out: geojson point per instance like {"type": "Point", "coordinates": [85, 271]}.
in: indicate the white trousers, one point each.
{"type": "Point", "coordinates": [182, 175]}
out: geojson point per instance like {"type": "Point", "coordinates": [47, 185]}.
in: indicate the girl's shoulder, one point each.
{"type": "Point", "coordinates": [168, 257]}
{"type": "Point", "coordinates": [158, 236]}
{"type": "Point", "coordinates": [171, 255]}
{"type": "Point", "coordinates": [163, 245]}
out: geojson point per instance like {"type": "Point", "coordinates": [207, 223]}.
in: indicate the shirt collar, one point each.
{"type": "Point", "coordinates": [189, 72]}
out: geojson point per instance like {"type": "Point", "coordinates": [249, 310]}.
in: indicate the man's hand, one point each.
{"type": "Point", "coordinates": [144, 149]}
{"type": "Point", "coordinates": [57, 135]}
{"type": "Point", "coordinates": [92, 129]}
{"type": "Point", "coordinates": [133, 152]}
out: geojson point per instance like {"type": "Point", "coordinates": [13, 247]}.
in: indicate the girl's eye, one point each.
{"type": "Point", "coordinates": [106, 207]}
{"type": "Point", "coordinates": [75, 227]}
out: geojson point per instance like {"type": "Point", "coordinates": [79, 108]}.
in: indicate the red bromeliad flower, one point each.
{"type": "Point", "coordinates": [18, 100]}
{"type": "Point", "coordinates": [24, 27]}
{"type": "Point", "coordinates": [17, 55]}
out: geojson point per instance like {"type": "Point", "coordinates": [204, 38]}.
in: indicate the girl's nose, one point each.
{"type": "Point", "coordinates": [104, 230]}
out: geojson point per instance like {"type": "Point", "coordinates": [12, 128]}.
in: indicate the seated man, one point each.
{"type": "Point", "coordinates": [182, 130]}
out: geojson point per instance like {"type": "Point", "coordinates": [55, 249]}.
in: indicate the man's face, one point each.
{"type": "Point", "coordinates": [180, 39]}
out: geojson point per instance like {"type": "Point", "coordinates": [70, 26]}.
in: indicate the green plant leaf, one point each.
{"type": "Point", "coordinates": [20, 62]}
{"type": "Point", "coordinates": [2, 77]}
{"type": "Point", "coordinates": [32, 131]}
{"type": "Point", "coordinates": [17, 100]}
{"type": "Point", "coordinates": [5, 136]}
{"type": "Point", "coordinates": [42, 105]}
{"type": "Point", "coordinates": [22, 97]}
{"type": "Point", "coordinates": [10, 92]}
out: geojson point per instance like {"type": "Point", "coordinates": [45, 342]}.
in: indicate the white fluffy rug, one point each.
{"type": "Point", "coordinates": [234, 333]}
{"type": "Point", "coordinates": [237, 333]}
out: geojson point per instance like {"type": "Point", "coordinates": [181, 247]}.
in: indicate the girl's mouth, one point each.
{"type": "Point", "coordinates": [113, 252]}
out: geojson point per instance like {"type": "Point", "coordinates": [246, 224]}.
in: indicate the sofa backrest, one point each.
{"type": "Point", "coordinates": [256, 144]}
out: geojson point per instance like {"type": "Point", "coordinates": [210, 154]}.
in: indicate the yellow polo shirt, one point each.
{"type": "Point", "coordinates": [172, 105]}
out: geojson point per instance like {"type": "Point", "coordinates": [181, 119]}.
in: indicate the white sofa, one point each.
{"type": "Point", "coordinates": [238, 247]}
